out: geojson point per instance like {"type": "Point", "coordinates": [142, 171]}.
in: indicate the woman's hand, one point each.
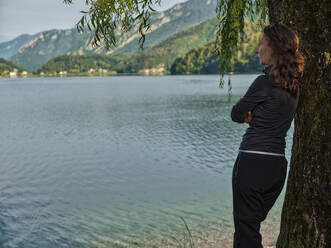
{"type": "Point", "coordinates": [248, 117]}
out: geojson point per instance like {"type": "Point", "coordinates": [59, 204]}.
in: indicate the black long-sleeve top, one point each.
{"type": "Point", "coordinates": [273, 110]}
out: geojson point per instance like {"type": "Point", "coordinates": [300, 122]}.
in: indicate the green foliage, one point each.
{"type": "Point", "coordinates": [231, 15]}
{"type": "Point", "coordinates": [104, 16]}
{"type": "Point", "coordinates": [203, 60]}
{"type": "Point", "coordinates": [8, 66]}
{"type": "Point", "coordinates": [78, 64]}
{"type": "Point", "coordinates": [177, 45]}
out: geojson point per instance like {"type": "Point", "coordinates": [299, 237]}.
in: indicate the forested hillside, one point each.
{"type": "Point", "coordinates": [202, 60]}
{"type": "Point", "coordinates": [7, 66]}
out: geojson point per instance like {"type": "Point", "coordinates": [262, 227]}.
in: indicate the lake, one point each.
{"type": "Point", "coordinates": [122, 161]}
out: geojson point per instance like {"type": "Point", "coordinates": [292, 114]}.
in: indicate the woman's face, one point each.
{"type": "Point", "coordinates": [264, 51]}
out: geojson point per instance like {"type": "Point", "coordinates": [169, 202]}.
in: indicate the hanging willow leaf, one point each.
{"type": "Point", "coordinates": [105, 15]}
{"type": "Point", "coordinates": [231, 15]}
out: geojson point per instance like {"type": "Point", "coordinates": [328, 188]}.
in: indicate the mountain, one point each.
{"type": "Point", "coordinates": [48, 45]}
{"type": "Point", "coordinates": [164, 24]}
{"type": "Point", "coordinates": [9, 48]}
{"type": "Point", "coordinates": [160, 56]}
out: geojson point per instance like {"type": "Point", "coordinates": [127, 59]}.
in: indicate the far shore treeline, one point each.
{"type": "Point", "coordinates": [190, 51]}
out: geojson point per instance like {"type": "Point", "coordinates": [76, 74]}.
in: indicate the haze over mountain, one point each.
{"type": "Point", "coordinates": [49, 44]}
{"type": "Point", "coordinates": [9, 48]}
{"type": "Point", "coordinates": [4, 38]}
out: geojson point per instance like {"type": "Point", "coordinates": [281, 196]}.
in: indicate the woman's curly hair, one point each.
{"type": "Point", "coordinates": [288, 61]}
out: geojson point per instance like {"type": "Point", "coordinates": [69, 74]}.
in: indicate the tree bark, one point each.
{"type": "Point", "coordinates": [306, 213]}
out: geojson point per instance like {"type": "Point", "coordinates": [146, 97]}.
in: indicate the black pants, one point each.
{"type": "Point", "coordinates": [257, 181]}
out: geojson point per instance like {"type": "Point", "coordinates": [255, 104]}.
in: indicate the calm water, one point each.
{"type": "Point", "coordinates": [119, 161]}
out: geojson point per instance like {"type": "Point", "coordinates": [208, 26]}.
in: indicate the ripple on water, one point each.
{"type": "Point", "coordinates": [118, 162]}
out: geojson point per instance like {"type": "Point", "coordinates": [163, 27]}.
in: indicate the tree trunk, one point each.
{"type": "Point", "coordinates": [306, 213]}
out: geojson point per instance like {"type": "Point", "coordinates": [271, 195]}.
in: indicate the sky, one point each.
{"type": "Point", "coordinates": [32, 16]}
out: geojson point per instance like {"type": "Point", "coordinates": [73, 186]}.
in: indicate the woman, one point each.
{"type": "Point", "coordinates": [268, 107]}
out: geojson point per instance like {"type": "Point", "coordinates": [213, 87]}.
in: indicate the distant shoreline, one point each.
{"type": "Point", "coordinates": [117, 74]}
